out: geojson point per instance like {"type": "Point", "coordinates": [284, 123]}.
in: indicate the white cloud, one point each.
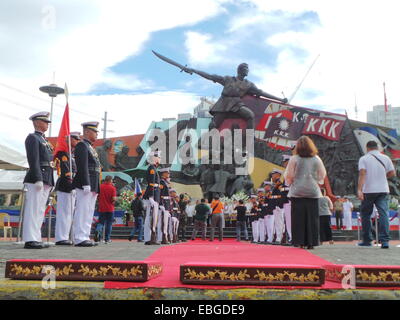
{"type": "Point", "coordinates": [202, 50]}
{"type": "Point", "coordinates": [357, 51]}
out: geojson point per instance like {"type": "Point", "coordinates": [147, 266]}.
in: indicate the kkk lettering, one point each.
{"type": "Point", "coordinates": [283, 128]}
{"type": "Point", "coordinates": [326, 127]}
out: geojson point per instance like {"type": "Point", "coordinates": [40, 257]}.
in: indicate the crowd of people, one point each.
{"type": "Point", "coordinates": [289, 208]}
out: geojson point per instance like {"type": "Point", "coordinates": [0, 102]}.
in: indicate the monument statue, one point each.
{"type": "Point", "coordinates": [234, 89]}
{"type": "Point", "coordinates": [123, 161]}
{"type": "Point", "coordinates": [103, 152]}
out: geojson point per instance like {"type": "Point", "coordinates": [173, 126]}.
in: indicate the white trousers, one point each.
{"type": "Point", "coordinates": [163, 217]}
{"type": "Point", "coordinates": [174, 224]}
{"type": "Point", "coordinates": [83, 218]}
{"type": "Point", "coordinates": [35, 206]}
{"type": "Point", "coordinates": [279, 223]}
{"type": "Point", "coordinates": [148, 219]}
{"type": "Point", "coordinates": [269, 226]}
{"type": "Point", "coordinates": [255, 231]}
{"type": "Point", "coordinates": [261, 230]}
{"type": "Point", "coordinates": [347, 221]}
{"type": "Point", "coordinates": [287, 208]}
{"type": "Point", "coordinates": [65, 213]}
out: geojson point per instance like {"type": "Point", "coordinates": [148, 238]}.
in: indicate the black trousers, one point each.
{"type": "Point", "coordinates": [339, 220]}
{"type": "Point", "coordinates": [305, 222]}
{"type": "Point", "coordinates": [325, 231]}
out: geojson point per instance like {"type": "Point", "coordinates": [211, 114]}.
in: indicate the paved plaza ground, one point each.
{"type": "Point", "coordinates": [339, 253]}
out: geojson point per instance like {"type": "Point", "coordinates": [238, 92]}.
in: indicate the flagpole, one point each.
{"type": "Point", "coordinates": [72, 204]}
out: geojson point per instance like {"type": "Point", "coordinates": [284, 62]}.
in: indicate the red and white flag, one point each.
{"type": "Point", "coordinates": [62, 144]}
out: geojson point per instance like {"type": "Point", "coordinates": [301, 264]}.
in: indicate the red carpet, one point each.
{"type": "Point", "coordinates": [227, 251]}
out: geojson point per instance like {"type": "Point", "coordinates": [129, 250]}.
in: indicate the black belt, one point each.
{"type": "Point", "coordinates": [47, 164]}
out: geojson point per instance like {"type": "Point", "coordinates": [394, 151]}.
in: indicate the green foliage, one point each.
{"type": "Point", "coordinates": [125, 199]}
{"type": "Point", "coordinates": [241, 195]}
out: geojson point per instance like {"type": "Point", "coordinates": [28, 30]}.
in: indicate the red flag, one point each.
{"type": "Point", "coordinates": [62, 144]}
{"type": "Point", "coordinates": [384, 93]}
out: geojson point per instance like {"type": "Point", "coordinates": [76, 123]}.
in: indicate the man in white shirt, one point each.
{"type": "Point", "coordinates": [373, 188]}
{"type": "Point", "coordinates": [347, 212]}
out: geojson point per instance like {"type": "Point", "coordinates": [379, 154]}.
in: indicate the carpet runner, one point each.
{"type": "Point", "coordinates": [225, 252]}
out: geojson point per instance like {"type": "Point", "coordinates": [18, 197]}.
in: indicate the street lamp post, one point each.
{"type": "Point", "coordinates": [52, 90]}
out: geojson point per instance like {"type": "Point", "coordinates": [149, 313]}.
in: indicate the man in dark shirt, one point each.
{"type": "Point", "coordinates": [200, 219]}
{"type": "Point", "coordinates": [241, 220]}
{"type": "Point", "coordinates": [138, 214]}
{"type": "Point", "coordinates": [107, 198]}
{"type": "Point", "coordinates": [182, 204]}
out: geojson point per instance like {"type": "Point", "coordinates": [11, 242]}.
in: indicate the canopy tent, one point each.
{"type": "Point", "coordinates": [11, 159]}
{"type": "Point", "coordinates": [11, 180]}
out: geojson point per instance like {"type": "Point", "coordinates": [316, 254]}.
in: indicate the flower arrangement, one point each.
{"type": "Point", "coordinates": [125, 199]}
{"type": "Point", "coordinates": [241, 195]}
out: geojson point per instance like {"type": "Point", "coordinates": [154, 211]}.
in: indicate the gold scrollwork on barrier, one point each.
{"type": "Point", "coordinates": [154, 269]}
{"type": "Point", "coordinates": [388, 276]}
{"type": "Point", "coordinates": [85, 270]}
{"type": "Point", "coordinates": [214, 275]}
{"type": "Point", "coordinates": [243, 275]}
{"type": "Point", "coordinates": [287, 276]}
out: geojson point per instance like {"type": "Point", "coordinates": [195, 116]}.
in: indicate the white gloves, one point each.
{"type": "Point", "coordinates": [39, 185]}
{"type": "Point", "coordinates": [86, 189]}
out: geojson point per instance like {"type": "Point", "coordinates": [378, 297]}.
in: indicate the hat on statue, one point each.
{"type": "Point", "coordinates": [92, 125]}
{"type": "Point", "coordinates": [43, 115]}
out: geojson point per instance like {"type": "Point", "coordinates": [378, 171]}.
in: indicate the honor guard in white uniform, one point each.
{"type": "Point", "coordinates": [165, 208]}
{"type": "Point", "coordinates": [277, 204]}
{"type": "Point", "coordinates": [87, 184]}
{"type": "Point", "coordinates": [66, 195]}
{"type": "Point", "coordinates": [253, 210]}
{"type": "Point", "coordinates": [39, 181]}
{"type": "Point", "coordinates": [269, 213]}
{"type": "Point", "coordinates": [287, 207]}
{"type": "Point", "coordinates": [174, 222]}
{"type": "Point", "coordinates": [151, 199]}
{"type": "Point", "coordinates": [261, 214]}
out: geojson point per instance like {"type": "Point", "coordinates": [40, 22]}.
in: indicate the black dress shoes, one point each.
{"type": "Point", "coordinates": [35, 245]}
{"type": "Point", "coordinates": [64, 243]}
{"type": "Point", "coordinates": [86, 243]}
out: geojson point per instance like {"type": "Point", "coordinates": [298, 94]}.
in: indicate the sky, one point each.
{"type": "Point", "coordinates": [102, 50]}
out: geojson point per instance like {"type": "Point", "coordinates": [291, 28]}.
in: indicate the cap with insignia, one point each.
{"type": "Point", "coordinates": [260, 190]}
{"type": "Point", "coordinates": [276, 171]}
{"type": "Point", "coordinates": [253, 196]}
{"type": "Point", "coordinates": [267, 183]}
{"type": "Point", "coordinates": [92, 125]}
{"type": "Point", "coordinates": [164, 170]}
{"type": "Point", "coordinates": [43, 115]}
{"type": "Point", "coordinates": [172, 190]}
{"type": "Point", "coordinates": [76, 135]}
{"type": "Point", "coordinates": [286, 157]}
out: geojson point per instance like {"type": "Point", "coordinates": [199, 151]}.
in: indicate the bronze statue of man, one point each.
{"type": "Point", "coordinates": [230, 101]}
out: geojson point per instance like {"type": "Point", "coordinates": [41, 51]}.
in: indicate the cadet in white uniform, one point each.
{"type": "Point", "coordinates": [287, 205]}
{"type": "Point", "coordinates": [87, 184]}
{"type": "Point", "coordinates": [165, 208]}
{"type": "Point", "coordinates": [66, 194]}
{"type": "Point", "coordinates": [276, 196]}
{"type": "Point", "coordinates": [151, 199]}
{"type": "Point", "coordinates": [39, 181]}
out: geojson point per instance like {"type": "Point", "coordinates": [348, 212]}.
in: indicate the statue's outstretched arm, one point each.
{"type": "Point", "coordinates": [261, 93]}
{"type": "Point", "coordinates": [212, 77]}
